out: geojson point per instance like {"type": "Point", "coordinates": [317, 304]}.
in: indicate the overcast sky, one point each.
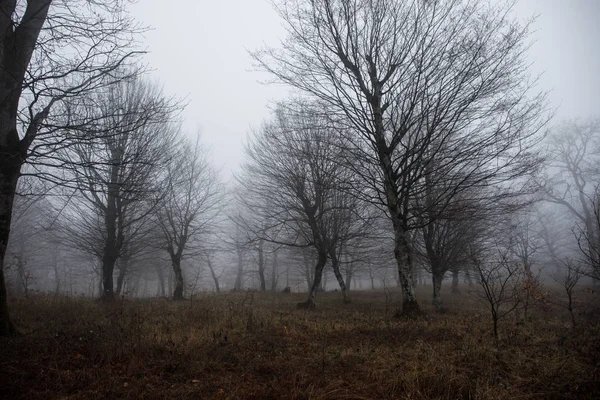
{"type": "Point", "coordinates": [199, 49]}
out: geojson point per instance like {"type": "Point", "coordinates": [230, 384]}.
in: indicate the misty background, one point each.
{"type": "Point", "coordinates": [200, 49]}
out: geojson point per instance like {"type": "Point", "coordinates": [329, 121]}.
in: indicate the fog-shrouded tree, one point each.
{"type": "Point", "coordinates": [571, 181]}
{"type": "Point", "coordinates": [499, 281]}
{"type": "Point", "coordinates": [293, 181]}
{"type": "Point", "coordinates": [406, 78]}
{"type": "Point", "coordinates": [190, 209]}
{"type": "Point", "coordinates": [51, 53]}
{"type": "Point", "coordinates": [118, 176]}
{"type": "Point", "coordinates": [445, 239]}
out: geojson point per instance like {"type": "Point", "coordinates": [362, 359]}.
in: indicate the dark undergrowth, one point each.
{"type": "Point", "coordinates": [251, 345]}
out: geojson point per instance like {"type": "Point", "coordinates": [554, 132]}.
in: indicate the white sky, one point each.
{"type": "Point", "coordinates": [199, 49]}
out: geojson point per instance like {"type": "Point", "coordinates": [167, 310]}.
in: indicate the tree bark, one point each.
{"type": "Point", "coordinates": [274, 272]}
{"type": "Point", "coordinates": [261, 267]}
{"type": "Point", "coordinates": [108, 266]}
{"type": "Point", "coordinates": [178, 292]}
{"type": "Point", "coordinates": [437, 288]}
{"type": "Point", "coordinates": [111, 245]}
{"type": "Point", "coordinates": [16, 48]}
{"type": "Point", "coordinates": [308, 272]}
{"type": "Point", "coordinates": [335, 263]}
{"type": "Point", "coordinates": [213, 274]}
{"type": "Point", "coordinates": [410, 305]}
{"type": "Point", "coordinates": [310, 302]}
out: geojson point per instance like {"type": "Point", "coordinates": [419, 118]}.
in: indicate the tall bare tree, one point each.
{"type": "Point", "coordinates": [51, 52]}
{"type": "Point", "coordinates": [294, 182]}
{"type": "Point", "coordinates": [190, 208]}
{"type": "Point", "coordinates": [407, 76]}
{"type": "Point", "coordinates": [117, 175]}
{"type": "Point", "coordinates": [572, 179]}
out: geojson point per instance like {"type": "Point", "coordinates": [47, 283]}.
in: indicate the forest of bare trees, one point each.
{"type": "Point", "coordinates": [415, 146]}
{"type": "Point", "coordinates": [414, 159]}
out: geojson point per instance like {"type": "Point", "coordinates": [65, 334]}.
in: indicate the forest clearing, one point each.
{"type": "Point", "coordinates": [258, 345]}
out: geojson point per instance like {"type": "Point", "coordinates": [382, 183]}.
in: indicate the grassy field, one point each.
{"type": "Point", "coordinates": [252, 345]}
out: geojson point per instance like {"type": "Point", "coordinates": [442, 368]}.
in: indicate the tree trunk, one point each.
{"type": "Point", "coordinates": [455, 279]}
{"type": "Point", "coordinates": [10, 167]}
{"type": "Point", "coordinates": [178, 293]}
{"type": "Point", "coordinates": [410, 305]}
{"type": "Point", "coordinates": [348, 279]}
{"type": "Point", "coordinates": [111, 247]}
{"type": "Point", "coordinates": [161, 280]}
{"type": "Point", "coordinates": [335, 263]}
{"type": "Point", "coordinates": [108, 266]}
{"type": "Point", "coordinates": [123, 266]}
{"type": "Point", "coordinates": [308, 272]}
{"type": "Point", "coordinates": [16, 48]}
{"type": "Point", "coordinates": [437, 288]}
{"type": "Point", "coordinates": [213, 274]}
{"type": "Point", "coordinates": [310, 302]}
{"type": "Point", "coordinates": [274, 272]}
{"type": "Point", "coordinates": [261, 267]}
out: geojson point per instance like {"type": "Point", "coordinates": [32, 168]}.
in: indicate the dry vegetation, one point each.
{"type": "Point", "coordinates": [252, 345]}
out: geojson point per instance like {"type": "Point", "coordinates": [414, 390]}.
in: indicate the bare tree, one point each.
{"type": "Point", "coordinates": [294, 182]}
{"type": "Point", "coordinates": [405, 77]}
{"type": "Point", "coordinates": [571, 181]}
{"type": "Point", "coordinates": [446, 239]}
{"type": "Point", "coordinates": [215, 275]}
{"type": "Point", "coordinates": [190, 208]}
{"type": "Point", "coordinates": [567, 281]}
{"type": "Point", "coordinates": [51, 52]}
{"type": "Point", "coordinates": [498, 278]}
{"type": "Point", "coordinates": [117, 176]}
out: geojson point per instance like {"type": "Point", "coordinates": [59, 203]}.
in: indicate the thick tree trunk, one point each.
{"type": "Point", "coordinates": [108, 267]}
{"type": "Point", "coordinates": [111, 247]}
{"type": "Point", "coordinates": [437, 288]}
{"type": "Point", "coordinates": [310, 302]}
{"type": "Point", "coordinates": [410, 305]}
{"type": "Point", "coordinates": [178, 292]}
{"type": "Point", "coordinates": [335, 263]}
{"type": "Point", "coordinates": [16, 48]}
{"type": "Point", "coordinates": [11, 160]}
{"type": "Point", "coordinates": [261, 267]}
{"type": "Point", "coordinates": [308, 272]}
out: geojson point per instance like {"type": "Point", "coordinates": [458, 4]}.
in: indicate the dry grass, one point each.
{"type": "Point", "coordinates": [259, 346]}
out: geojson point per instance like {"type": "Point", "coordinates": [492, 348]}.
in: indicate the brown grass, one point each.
{"type": "Point", "coordinates": [259, 346]}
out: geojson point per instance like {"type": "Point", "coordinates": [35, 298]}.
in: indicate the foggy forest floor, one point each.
{"type": "Point", "coordinates": [252, 345]}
